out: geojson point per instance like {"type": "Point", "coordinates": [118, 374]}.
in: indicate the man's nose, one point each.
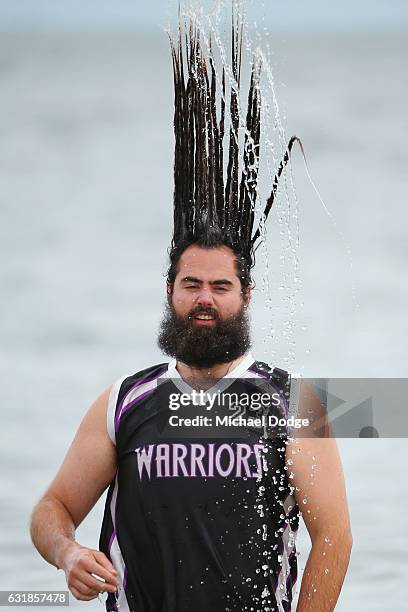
{"type": "Point", "coordinates": [205, 297]}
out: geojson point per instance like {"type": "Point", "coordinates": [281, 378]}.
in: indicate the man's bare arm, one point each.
{"type": "Point", "coordinates": [88, 468]}
{"type": "Point", "coordinates": [320, 493]}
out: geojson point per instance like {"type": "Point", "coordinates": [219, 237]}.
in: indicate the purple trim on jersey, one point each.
{"type": "Point", "coordinates": [123, 407]}
{"type": "Point", "coordinates": [111, 539]}
{"type": "Point", "coordinates": [113, 535]}
{"type": "Point", "coordinates": [253, 370]}
{"type": "Point", "coordinates": [113, 515]}
{"type": "Point", "coordinates": [292, 568]}
{"type": "Point", "coordinates": [275, 579]}
{"type": "Point", "coordinates": [291, 579]}
{"type": "Point", "coordinates": [109, 501]}
{"type": "Point", "coordinates": [293, 513]}
{"type": "Point", "coordinates": [136, 400]}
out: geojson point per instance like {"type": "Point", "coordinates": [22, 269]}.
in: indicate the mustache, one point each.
{"type": "Point", "coordinates": [202, 310]}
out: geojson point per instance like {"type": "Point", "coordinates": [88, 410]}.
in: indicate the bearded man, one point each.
{"type": "Point", "coordinates": [202, 514]}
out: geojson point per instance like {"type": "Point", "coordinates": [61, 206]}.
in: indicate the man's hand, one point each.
{"type": "Point", "coordinates": [88, 468]}
{"type": "Point", "coordinates": [79, 564]}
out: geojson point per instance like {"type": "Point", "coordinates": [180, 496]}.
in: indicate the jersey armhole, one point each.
{"type": "Point", "coordinates": [111, 411]}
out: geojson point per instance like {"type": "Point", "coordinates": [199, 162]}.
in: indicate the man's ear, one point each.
{"type": "Point", "coordinates": [246, 295]}
{"type": "Point", "coordinates": [169, 289]}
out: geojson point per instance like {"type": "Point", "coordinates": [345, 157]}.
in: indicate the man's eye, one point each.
{"type": "Point", "coordinates": [191, 286]}
{"type": "Point", "coordinates": [221, 288]}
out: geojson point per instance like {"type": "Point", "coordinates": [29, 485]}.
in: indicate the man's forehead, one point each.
{"type": "Point", "coordinates": [201, 262]}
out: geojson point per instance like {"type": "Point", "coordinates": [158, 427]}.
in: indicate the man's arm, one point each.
{"type": "Point", "coordinates": [321, 496]}
{"type": "Point", "coordinates": [88, 468]}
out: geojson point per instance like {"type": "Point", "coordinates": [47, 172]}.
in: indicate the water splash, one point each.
{"type": "Point", "coordinates": [279, 272]}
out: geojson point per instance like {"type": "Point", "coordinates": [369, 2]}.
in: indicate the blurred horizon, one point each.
{"type": "Point", "coordinates": [91, 15]}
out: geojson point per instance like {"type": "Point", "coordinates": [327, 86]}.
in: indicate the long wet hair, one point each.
{"type": "Point", "coordinates": [215, 198]}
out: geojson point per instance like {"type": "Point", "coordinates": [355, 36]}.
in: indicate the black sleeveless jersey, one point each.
{"type": "Point", "coordinates": [201, 515]}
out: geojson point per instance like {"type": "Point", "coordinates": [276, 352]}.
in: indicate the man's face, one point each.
{"type": "Point", "coordinates": [205, 322]}
{"type": "Point", "coordinates": [207, 286]}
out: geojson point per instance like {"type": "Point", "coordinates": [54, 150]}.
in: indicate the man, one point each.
{"type": "Point", "coordinates": [206, 283]}
{"type": "Point", "coordinates": [201, 512]}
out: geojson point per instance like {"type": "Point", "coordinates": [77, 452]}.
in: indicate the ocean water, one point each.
{"type": "Point", "coordinates": [85, 199]}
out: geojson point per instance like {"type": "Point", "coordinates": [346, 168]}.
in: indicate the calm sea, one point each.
{"type": "Point", "coordinates": [85, 196]}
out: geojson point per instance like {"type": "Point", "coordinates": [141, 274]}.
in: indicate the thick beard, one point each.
{"type": "Point", "coordinates": [204, 347]}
